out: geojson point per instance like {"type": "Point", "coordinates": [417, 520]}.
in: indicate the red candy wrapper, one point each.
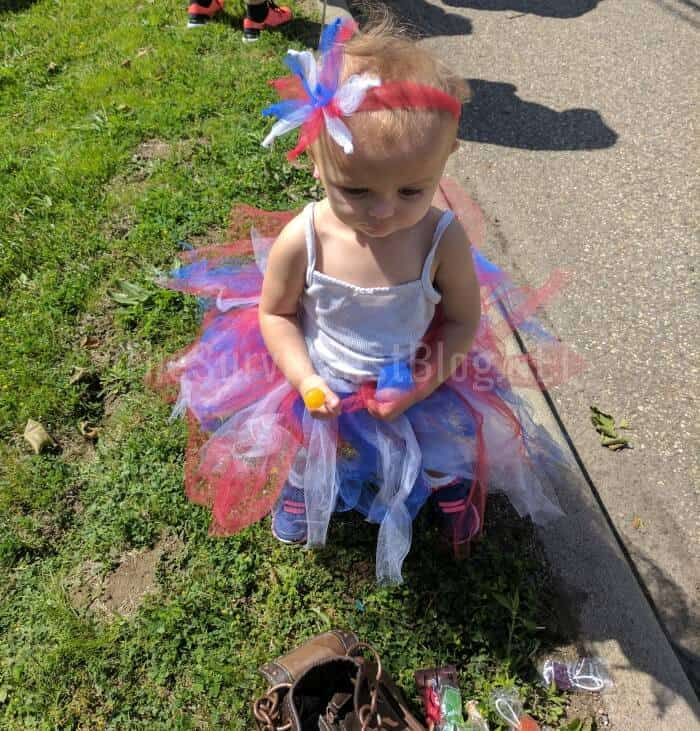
{"type": "Point", "coordinates": [441, 698]}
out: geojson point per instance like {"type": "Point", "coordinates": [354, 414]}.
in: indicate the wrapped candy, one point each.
{"type": "Point", "coordinates": [443, 701]}
{"type": "Point", "coordinates": [507, 704]}
{"type": "Point", "coordinates": [584, 674]}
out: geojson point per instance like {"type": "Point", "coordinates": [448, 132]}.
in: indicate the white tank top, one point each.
{"type": "Point", "coordinates": [356, 331]}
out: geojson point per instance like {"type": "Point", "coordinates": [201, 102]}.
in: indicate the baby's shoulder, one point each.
{"type": "Point", "coordinates": [292, 238]}
{"type": "Point", "coordinates": [288, 251]}
{"type": "Point", "coordinates": [445, 225]}
{"type": "Point", "coordinates": [453, 239]}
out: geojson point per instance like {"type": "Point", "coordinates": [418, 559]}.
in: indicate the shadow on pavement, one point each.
{"type": "Point", "coordinates": [496, 115]}
{"type": "Point", "coordinates": [422, 18]}
{"type": "Point", "coordinates": [595, 584]}
{"type": "Point", "coordinates": [545, 8]}
{"type": "Point", "coordinates": [682, 9]}
{"type": "Point", "coordinates": [680, 614]}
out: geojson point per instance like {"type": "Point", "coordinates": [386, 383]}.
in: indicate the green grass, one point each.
{"type": "Point", "coordinates": [82, 86]}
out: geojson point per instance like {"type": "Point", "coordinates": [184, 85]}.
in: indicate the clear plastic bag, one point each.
{"type": "Point", "coordinates": [586, 674]}
{"type": "Point", "coordinates": [507, 704]}
{"type": "Point", "coordinates": [475, 721]}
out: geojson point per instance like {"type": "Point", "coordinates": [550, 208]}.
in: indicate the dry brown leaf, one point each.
{"type": "Point", "coordinates": [37, 436]}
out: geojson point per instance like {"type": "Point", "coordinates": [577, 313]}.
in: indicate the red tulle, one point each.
{"type": "Point", "coordinates": [290, 87]}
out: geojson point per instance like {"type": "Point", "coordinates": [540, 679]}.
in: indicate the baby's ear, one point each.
{"type": "Point", "coordinates": [316, 174]}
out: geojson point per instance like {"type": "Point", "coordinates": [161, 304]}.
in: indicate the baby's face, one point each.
{"type": "Point", "coordinates": [378, 192]}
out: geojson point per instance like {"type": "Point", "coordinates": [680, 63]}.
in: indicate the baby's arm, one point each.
{"type": "Point", "coordinates": [283, 285]}
{"type": "Point", "coordinates": [455, 278]}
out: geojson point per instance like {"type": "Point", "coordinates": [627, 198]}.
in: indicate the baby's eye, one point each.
{"type": "Point", "coordinates": [354, 191]}
{"type": "Point", "coordinates": [409, 192]}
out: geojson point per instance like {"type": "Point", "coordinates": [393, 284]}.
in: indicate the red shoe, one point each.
{"type": "Point", "coordinates": [276, 15]}
{"type": "Point", "coordinates": [199, 15]}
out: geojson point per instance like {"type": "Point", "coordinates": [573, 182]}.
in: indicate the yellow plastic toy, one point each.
{"type": "Point", "coordinates": [314, 398]}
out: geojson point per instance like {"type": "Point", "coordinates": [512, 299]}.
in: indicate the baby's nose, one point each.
{"type": "Point", "coordinates": [382, 208]}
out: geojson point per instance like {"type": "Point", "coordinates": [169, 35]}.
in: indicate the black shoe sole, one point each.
{"type": "Point", "coordinates": [197, 21]}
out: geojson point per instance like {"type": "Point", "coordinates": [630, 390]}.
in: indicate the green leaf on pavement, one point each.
{"type": "Point", "coordinates": [605, 426]}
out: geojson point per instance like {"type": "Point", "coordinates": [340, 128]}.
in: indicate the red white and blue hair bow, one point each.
{"type": "Point", "coordinates": [313, 97]}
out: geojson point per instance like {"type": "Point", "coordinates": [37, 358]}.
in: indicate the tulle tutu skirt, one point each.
{"type": "Point", "coordinates": [250, 432]}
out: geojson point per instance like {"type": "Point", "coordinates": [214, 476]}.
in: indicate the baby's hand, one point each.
{"type": "Point", "coordinates": [388, 410]}
{"type": "Point", "coordinates": [313, 389]}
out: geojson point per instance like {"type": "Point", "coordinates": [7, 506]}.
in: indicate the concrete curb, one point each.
{"type": "Point", "coordinates": [613, 617]}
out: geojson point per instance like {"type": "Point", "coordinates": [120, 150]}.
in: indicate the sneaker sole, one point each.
{"type": "Point", "coordinates": [245, 39]}
{"type": "Point", "coordinates": [287, 541]}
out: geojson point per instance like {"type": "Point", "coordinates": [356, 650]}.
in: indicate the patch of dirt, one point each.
{"type": "Point", "coordinates": [118, 226]}
{"type": "Point", "coordinates": [152, 150]}
{"type": "Point", "coordinates": [587, 706]}
{"type": "Point", "coordinates": [160, 150]}
{"type": "Point", "coordinates": [96, 335]}
{"type": "Point", "coordinates": [120, 592]}
{"type": "Point", "coordinates": [75, 447]}
{"type": "Point", "coordinates": [144, 160]}
{"type": "Point", "coordinates": [129, 186]}
{"type": "Point", "coordinates": [215, 236]}
{"type": "Point", "coordinates": [149, 153]}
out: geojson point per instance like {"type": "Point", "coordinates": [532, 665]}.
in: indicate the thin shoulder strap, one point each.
{"type": "Point", "coordinates": [310, 242]}
{"type": "Point", "coordinates": [445, 220]}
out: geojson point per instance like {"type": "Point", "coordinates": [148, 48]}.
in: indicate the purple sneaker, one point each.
{"type": "Point", "coordinates": [289, 516]}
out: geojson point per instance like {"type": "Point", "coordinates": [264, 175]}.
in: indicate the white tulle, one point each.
{"type": "Point", "coordinates": [320, 477]}
{"type": "Point", "coordinates": [309, 66]}
{"type": "Point", "coordinates": [400, 459]}
{"type": "Point", "coordinates": [224, 304]}
{"type": "Point", "coordinates": [347, 98]}
{"type": "Point", "coordinates": [183, 401]}
{"type": "Point", "coordinates": [261, 249]}
{"type": "Point", "coordinates": [338, 132]}
{"type": "Point", "coordinates": [352, 93]}
{"type": "Point", "coordinates": [282, 126]}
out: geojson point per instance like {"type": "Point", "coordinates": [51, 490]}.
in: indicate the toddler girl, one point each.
{"type": "Point", "coordinates": [360, 373]}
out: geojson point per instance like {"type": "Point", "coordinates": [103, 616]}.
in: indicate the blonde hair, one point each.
{"type": "Point", "coordinates": [387, 51]}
